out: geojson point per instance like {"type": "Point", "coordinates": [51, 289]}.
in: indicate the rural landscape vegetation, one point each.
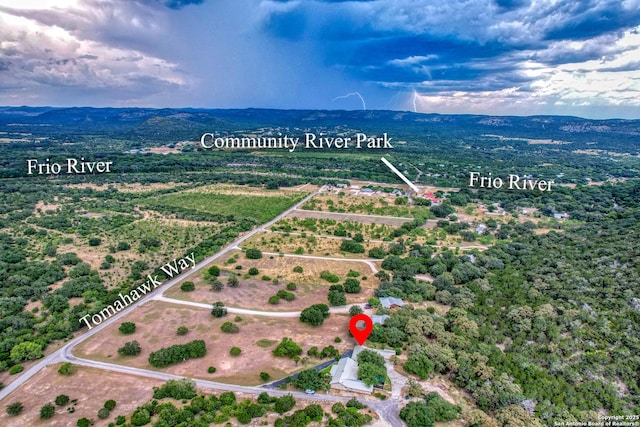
{"type": "Point", "coordinates": [512, 308]}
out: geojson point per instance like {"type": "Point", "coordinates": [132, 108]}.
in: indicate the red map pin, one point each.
{"type": "Point", "coordinates": [361, 335]}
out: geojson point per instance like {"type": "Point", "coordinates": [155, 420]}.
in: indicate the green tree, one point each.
{"type": "Point", "coordinates": [84, 422]}
{"type": "Point", "coordinates": [352, 247]}
{"type": "Point", "coordinates": [253, 254]}
{"type": "Point", "coordinates": [337, 298]}
{"type": "Point", "coordinates": [233, 281]}
{"type": "Point", "coordinates": [309, 379]}
{"type": "Point", "coordinates": [214, 271]}
{"type": "Point", "coordinates": [62, 399]}
{"type": "Point", "coordinates": [67, 369]}
{"type": "Point", "coordinates": [218, 310]}
{"type": "Point", "coordinates": [26, 350]}
{"type": "Point", "coordinates": [315, 314]}
{"type": "Point", "coordinates": [140, 417]}
{"type": "Point", "coordinates": [264, 376]}
{"type": "Point", "coordinates": [287, 348]}
{"type": "Point", "coordinates": [284, 404]}
{"type": "Point", "coordinates": [47, 411]}
{"type": "Point", "coordinates": [253, 271]}
{"type": "Point", "coordinates": [182, 330]}
{"type": "Point", "coordinates": [15, 408]}
{"type": "Point", "coordinates": [355, 309]}
{"type": "Point", "coordinates": [352, 286]}
{"type": "Point", "coordinates": [127, 328]}
{"type": "Point", "coordinates": [217, 285]}
{"type": "Point", "coordinates": [297, 269]}
{"type": "Point", "coordinates": [229, 328]}
{"type": "Point", "coordinates": [110, 404]}
{"type": "Point", "coordinates": [131, 348]}
{"type": "Point", "coordinates": [103, 413]}
{"type": "Point", "coordinates": [419, 364]}
{"type": "Point", "coordinates": [187, 287]}
{"type": "Point", "coordinates": [235, 351]}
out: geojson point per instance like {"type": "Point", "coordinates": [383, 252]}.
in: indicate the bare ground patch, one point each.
{"type": "Point", "coordinates": [91, 386]}
{"type": "Point", "coordinates": [156, 327]}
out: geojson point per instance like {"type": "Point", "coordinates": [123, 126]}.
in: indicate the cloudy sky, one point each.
{"type": "Point", "coordinates": [458, 56]}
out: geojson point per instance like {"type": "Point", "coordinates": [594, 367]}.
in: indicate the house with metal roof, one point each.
{"type": "Point", "coordinates": [344, 376]}
{"type": "Point", "coordinates": [391, 302]}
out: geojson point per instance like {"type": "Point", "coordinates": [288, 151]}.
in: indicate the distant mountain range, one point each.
{"type": "Point", "coordinates": [189, 123]}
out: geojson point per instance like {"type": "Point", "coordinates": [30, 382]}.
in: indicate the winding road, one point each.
{"type": "Point", "coordinates": [387, 410]}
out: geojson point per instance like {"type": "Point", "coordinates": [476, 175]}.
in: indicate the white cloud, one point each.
{"type": "Point", "coordinates": [67, 47]}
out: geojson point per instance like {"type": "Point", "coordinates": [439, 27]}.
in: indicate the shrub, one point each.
{"type": "Point", "coordinates": [188, 287]}
{"type": "Point", "coordinates": [131, 348]}
{"type": "Point", "coordinates": [182, 330]}
{"type": "Point", "coordinates": [176, 389]}
{"type": "Point", "coordinates": [84, 422]}
{"type": "Point", "coordinates": [62, 399]}
{"type": "Point", "coordinates": [352, 247]}
{"type": "Point", "coordinates": [352, 286]}
{"type": "Point", "coordinates": [298, 269]}
{"type": "Point", "coordinates": [177, 353]}
{"type": "Point", "coordinates": [264, 376]}
{"type": "Point", "coordinates": [353, 273]}
{"type": "Point", "coordinates": [253, 271]}
{"type": "Point", "coordinates": [217, 285]}
{"type": "Point", "coordinates": [287, 348]}
{"type": "Point", "coordinates": [329, 276]}
{"type": "Point", "coordinates": [47, 411]}
{"type": "Point", "coordinates": [284, 404]}
{"type": "Point", "coordinates": [16, 369]}
{"type": "Point", "coordinates": [95, 241]}
{"type": "Point", "coordinates": [127, 328]}
{"type": "Point", "coordinates": [140, 417]}
{"type": "Point", "coordinates": [123, 246]}
{"type": "Point", "coordinates": [291, 286]}
{"type": "Point", "coordinates": [67, 369]}
{"type": "Point", "coordinates": [218, 310]}
{"type": "Point", "coordinates": [214, 271]}
{"type": "Point", "coordinates": [232, 281]}
{"type": "Point", "coordinates": [253, 254]}
{"type": "Point", "coordinates": [110, 404]}
{"type": "Point", "coordinates": [235, 351]}
{"type": "Point", "coordinates": [337, 298]}
{"type": "Point", "coordinates": [229, 328]}
{"type": "Point", "coordinates": [315, 314]}
{"type": "Point", "coordinates": [211, 370]}
{"type": "Point", "coordinates": [275, 299]}
{"type": "Point", "coordinates": [355, 309]}
{"type": "Point", "coordinates": [15, 408]}
{"type": "Point", "coordinates": [103, 413]}
{"type": "Point", "coordinates": [337, 340]}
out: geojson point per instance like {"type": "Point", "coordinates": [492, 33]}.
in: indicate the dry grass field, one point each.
{"type": "Point", "coordinates": [254, 292]}
{"type": "Point", "coordinates": [90, 386]}
{"type": "Point", "coordinates": [156, 328]}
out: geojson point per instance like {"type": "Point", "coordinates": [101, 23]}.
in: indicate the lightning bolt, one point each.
{"type": "Point", "coordinates": [364, 106]}
{"type": "Point", "coordinates": [416, 97]}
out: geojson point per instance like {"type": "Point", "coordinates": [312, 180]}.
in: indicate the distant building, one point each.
{"type": "Point", "coordinates": [432, 197]}
{"type": "Point", "coordinates": [561, 215]}
{"type": "Point", "coordinates": [481, 228]}
{"type": "Point", "coordinates": [379, 320]}
{"type": "Point", "coordinates": [391, 302]}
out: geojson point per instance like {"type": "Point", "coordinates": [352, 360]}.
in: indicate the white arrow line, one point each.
{"type": "Point", "coordinates": [397, 172]}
